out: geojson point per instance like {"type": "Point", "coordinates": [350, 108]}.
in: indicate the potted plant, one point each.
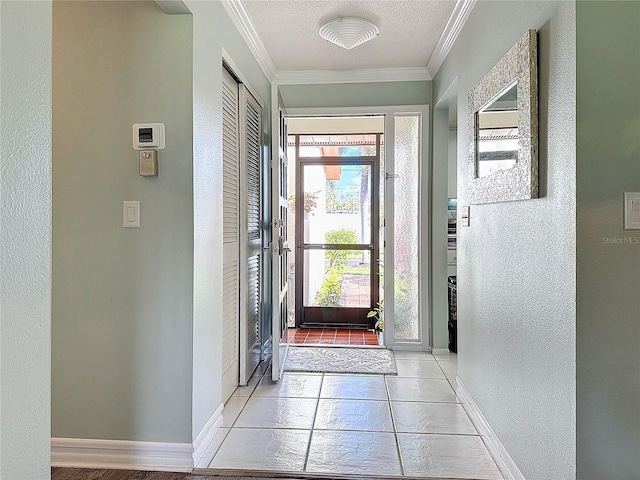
{"type": "Point", "coordinates": [378, 314]}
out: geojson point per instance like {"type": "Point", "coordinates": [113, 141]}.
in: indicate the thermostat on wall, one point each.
{"type": "Point", "coordinates": [148, 136]}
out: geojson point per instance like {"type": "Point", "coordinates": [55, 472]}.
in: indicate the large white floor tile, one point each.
{"type": "Point", "coordinates": [212, 448]}
{"type": "Point", "coordinates": [263, 449]}
{"type": "Point", "coordinates": [291, 385]}
{"type": "Point", "coordinates": [413, 368]}
{"type": "Point", "coordinates": [232, 409]}
{"type": "Point", "coordinates": [450, 369]}
{"type": "Point", "coordinates": [273, 412]}
{"type": "Point", "coordinates": [454, 384]}
{"type": "Point", "coordinates": [343, 414]}
{"type": "Point", "coordinates": [420, 390]}
{"type": "Point", "coordinates": [419, 417]}
{"type": "Point", "coordinates": [450, 356]}
{"type": "Point", "coordinates": [448, 456]}
{"type": "Point", "coordinates": [247, 390]}
{"type": "Point", "coordinates": [365, 387]}
{"type": "Point", "coordinates": [263, 368]}
{"type": "Point", "coordinates": [353, 453]}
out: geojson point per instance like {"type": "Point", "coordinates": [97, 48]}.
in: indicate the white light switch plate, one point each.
{"type": "Point", "coordinates": [131, 214]}
{"type": "Point", "coordinates": [632, 210]}
{"type": "Point", "coordinates": [464, 217]}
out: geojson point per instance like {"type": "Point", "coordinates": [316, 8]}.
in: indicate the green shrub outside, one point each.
{"type": "Point", "coordinates": [330, 293]}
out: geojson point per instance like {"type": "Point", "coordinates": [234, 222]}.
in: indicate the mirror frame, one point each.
{"type": "Point", "coordinates": [520, 182]}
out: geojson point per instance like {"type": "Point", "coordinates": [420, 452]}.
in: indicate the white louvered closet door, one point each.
{"type": "Point", "coordinates": [231, 234]}
{"type": "Point", "coordinates": [251, 233]}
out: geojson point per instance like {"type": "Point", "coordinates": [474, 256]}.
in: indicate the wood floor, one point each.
{"type": "Point", "coordinates": [93, 474]}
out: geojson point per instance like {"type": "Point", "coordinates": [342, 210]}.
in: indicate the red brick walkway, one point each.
{"type": "Point", "coordinates": [356, 291]}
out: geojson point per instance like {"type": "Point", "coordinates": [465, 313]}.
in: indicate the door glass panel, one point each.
{"type": "Point", "coordinates": [337, 278]}
{"type": "Point", "coordinates": [337, 204]}
{"type": "Point", "coordinates": [336, 208]}
{"type": "Point", "coordinates": [317, 146]}
{"type": "Point", "coordinates": [406, 222]}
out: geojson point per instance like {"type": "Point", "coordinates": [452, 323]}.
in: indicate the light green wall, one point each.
{"type": "Point", "coordinates": [516, 261]}
{"type": "Point", "coordinates": [122, 297]}
{"type": "Point", "coordinates": [608, 260]}
{"type": "Point", "coordinates": [137, 317]}
{"type": "Point", "coordinates": [452, 166]}
{"type": "Point", "coordinates": [357, 94]}
{"type": "Point", "coordinates": [440, 312]}
{"type": "Point", "coordinates": [212, 31]}
{"type": "Point", "coordinates": [25, 239]}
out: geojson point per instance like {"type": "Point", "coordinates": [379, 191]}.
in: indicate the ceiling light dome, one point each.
{"type": "Point", "coordinates": [348, 32]}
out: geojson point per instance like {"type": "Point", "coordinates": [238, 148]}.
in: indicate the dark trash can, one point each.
{"type": "Point", "coordinates": [453, 314]}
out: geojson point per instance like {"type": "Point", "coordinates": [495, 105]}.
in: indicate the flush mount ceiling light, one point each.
{"type": "Point", "coordinates": [348, 32]}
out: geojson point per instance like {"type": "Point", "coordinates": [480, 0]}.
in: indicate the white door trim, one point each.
{"type": "Point", "coordinates": [226, 58]}
{"type": "Point", "coordinates": [424, 110]}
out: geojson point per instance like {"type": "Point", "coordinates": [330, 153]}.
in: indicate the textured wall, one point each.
{"type": "Point", "coordinates": [452, 170]}
{"type": "Point", "coordinates": [122, 297]}
{"type": "Point", "coordinates": [608, 261]}
{"type": "Point", "coordinates": [516, 262]}
{"type": "Point", "coordinates": [25, 239]}
{"type": "Point", "coordinates": [212, 32]}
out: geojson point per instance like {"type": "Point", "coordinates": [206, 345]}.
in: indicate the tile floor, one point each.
{"type": "Point", "coordinates": [333, 336]}
{"type": "Point", "coordinates": [409, 425]}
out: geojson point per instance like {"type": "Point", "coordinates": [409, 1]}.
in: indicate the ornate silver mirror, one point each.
{"type": "Point", "coordinates": [503, 116]}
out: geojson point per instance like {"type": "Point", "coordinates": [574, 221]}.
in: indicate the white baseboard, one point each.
{"type": "Point", "coordinates": [121, 455]}
{"type": "Point", "coordinates": [440, 351]}
{"type": "Point", "coordinates": [497, 450]}
{"type": "Point", "coordinates": [205, 437]}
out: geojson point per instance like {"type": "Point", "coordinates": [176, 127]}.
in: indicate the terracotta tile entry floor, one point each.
{"type": "Point", "coordinates": [333, 336]}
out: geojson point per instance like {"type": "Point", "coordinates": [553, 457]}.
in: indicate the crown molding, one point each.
{"type": "Point", "coordinates": [243, 23]}
{"type": "Point", "coordinates": [173, 7]}
{"type": "Point", "coordinates": [451, 31]}
{"type": "Point", "coordinates": [369, 75]}
{"type": "Point", "coordinates": [245, 26]}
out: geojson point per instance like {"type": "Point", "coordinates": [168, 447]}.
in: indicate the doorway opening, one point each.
{"type": "Point", "coordinates": [335, 220]}
{"type": "Point", "coordinates": [374, 239]}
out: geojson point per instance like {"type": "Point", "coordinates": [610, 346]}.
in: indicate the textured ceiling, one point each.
{"type": "Point", "coordinates": [409, 32]}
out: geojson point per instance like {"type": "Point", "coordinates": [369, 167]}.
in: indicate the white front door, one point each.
{"type": "Point", "coordinates": [279, 246]}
